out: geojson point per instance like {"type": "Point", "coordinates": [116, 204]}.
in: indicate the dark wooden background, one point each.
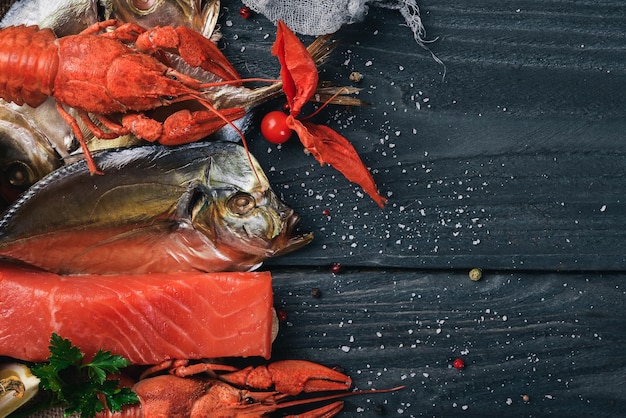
{"type": "Point", "coordinates": [513, 163]}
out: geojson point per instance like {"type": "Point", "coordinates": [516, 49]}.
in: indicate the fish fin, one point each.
{"type": "Point", "coordinates": [195, 197]}
{"type": "Point", "coordinates": [163, 225]}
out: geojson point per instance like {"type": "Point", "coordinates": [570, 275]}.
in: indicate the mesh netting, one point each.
{"type": "Point", "coordinates": [311, 17]}
{"type": "Point", "coordinates": [318, 17]}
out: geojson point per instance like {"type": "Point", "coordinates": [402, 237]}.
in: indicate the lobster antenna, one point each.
{"type": "Point", "coordinates": [238, 81]}
{"type": "Point", "coordinates": [225, 119]}
{"type": "Point", "coordinates": [336, 396]}
{"type": "Point", "coordinates": [237, 130]}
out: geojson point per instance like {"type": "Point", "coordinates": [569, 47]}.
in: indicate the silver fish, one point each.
{"type": "Point", "coordinates": [25, 155]}
{"type": "Point", "coordinates": [35, 140]}
{"type": "Point", "coordinates": [66, 17]}
{"type": "Point", "coordinates": [199, 15]}
{"type": "Point", "coordinates": [69, 17]}
{"type": "Point", "coordinates": [199, 207]}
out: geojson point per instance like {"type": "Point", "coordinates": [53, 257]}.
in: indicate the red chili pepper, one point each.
{"type": "Point", "coordinates": [299, 75]}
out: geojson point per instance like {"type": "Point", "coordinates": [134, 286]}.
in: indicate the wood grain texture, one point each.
{"type": "Point", "coordinates": [514, 160]}
{"type": "Point", "coordinates": [557, 338]}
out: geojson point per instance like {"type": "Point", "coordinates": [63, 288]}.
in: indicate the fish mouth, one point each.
{"type": "Point", "coordinates": [296, 240]}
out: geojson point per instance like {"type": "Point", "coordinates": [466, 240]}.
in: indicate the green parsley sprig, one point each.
{"type": "Point", "coordinates": [81, 386]}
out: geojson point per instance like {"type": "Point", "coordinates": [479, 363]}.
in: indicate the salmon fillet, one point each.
{"type": "Point", "coordinates": [145, 318]}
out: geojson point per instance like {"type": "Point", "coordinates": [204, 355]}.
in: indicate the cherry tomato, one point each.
{"type": "Point", "coordinates": [274, 127]}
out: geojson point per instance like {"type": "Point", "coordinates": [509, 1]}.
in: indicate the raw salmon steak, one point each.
{"type": "Point", "coordinates": [145, 318]}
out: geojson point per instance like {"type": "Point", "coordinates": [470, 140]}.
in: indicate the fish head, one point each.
{"type": "Point", "coordinates": [25, 156]}
{"type": "Point", "coordinates": [240, 212]}
{"type": "Point", "coordinates": [200, 16]}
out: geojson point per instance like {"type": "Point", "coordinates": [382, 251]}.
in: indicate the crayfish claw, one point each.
{"type": "Point", "coordinates": [290, 377]}
{"type": "Point", "coordinates": [296, 376]}
{"type": "Point", "coordinates": [171, 364]}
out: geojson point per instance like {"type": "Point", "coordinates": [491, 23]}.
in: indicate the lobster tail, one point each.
{"type": "Point", "coordinates": [28, 64]}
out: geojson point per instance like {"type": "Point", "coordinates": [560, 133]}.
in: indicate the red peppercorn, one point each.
{"type": "Point", "coordinates": [335, 268]}
{"type": "Point", "coordinates": [326, 212]}
{"type": "Point", "coordinates": [458, 364]}
{"type": "Point", "coordinates": [281, 314]}
{"type": "Point", "coordinates": [245, 12]}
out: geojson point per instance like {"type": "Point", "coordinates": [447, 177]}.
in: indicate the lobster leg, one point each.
{"type": "Point", "coordinates": [69, 119]}
{"type": "Point", "coordinates": [181, 368]}
{"type": "Point", "coordinates": [288, 376]}
{"type": "Point", "coordinates": [295, 376]}
{"type": "Point", "coordinates": [191, 46]}
{"type": "Point", "coordinates": [223, 392]}
{"type": "Point", "coordinates": [327, 411]}
{"type": "Point", "coordinates": [164, 365]}
{"type": "Point", "coordinates": [181, 127]}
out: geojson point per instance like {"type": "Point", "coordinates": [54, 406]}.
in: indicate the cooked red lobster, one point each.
{"type": "Point", "coordinates": [119, 76]}
{"type": "Point", "coordinates": [104, 73]}
{"type": "Point", "coordinates": [225, 391]}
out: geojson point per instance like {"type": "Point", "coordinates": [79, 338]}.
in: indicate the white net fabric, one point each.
{"type": "Point", "coordinates": [318, 17]}
{"type": "Point", "coordinates": [311, 17]}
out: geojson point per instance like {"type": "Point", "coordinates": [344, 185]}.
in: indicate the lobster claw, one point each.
{"type": "Point", "coordinates": [221, 392]}
{"type": "Point", "coordinates": [290, 377]}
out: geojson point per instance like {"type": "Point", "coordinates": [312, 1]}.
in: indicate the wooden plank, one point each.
{"type": "Point", "coordinates": [515, 160]}
{"type": "Point", "coordinates": [557, 338]}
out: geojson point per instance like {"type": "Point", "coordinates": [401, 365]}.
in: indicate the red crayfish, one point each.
{"type": "Point", "coordinates": [223, 390]}
{"type": "Point", "coordinates": [119, 76]}
{"type": "Point", "coordinates": [102, 74]}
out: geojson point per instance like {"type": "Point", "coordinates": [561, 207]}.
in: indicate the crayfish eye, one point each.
{"type": "Point", "coordinates": [19, 174]}
{"type": "Point", "coordinates": [249, 400]}
{"type": "Point", "coordinates": [241, 203]}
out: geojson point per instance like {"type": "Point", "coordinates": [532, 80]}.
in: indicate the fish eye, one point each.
{"type": "Point", "coordinates": [19, 174]}
{"type": "Point", "coordinates": [241, 203]}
